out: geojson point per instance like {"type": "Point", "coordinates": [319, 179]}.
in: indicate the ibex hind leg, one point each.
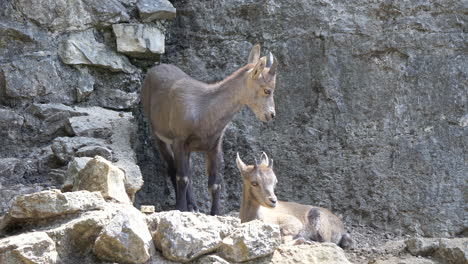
{"type": "Point", "coordinates": [166, 153]}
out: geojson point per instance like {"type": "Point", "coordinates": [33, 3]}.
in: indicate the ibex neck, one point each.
{"type": "Point", "coordinates": [249, 208]}
{"type": "Point", "coordinates": [226, 97]}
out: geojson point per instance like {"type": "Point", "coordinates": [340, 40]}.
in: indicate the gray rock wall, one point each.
{"type": "Point", "coordinates": [67, 90]}
{"type": "Point", "coordinates": [371, 105]}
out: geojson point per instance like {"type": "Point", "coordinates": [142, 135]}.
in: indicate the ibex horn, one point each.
{"type": "Point", "coordinates": [270, 164]}
{"type": "Point", "coordinates": [256, 164]}
{"type": "Point", "coordinates": [270, 59]}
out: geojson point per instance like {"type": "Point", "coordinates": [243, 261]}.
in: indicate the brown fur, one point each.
{"type": "Point", "coordinates": [187, 115]}
{"type": "Point", "coordinates": [295, 220]}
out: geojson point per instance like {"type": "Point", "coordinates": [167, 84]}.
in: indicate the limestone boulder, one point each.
{"type": "Point", "coordinates": [139, 40]}
{"type": "Point", "coordinates": [317, 253]}
{"type": "Point", "coordinates": [419, 246]}
{"type": "Point", "coordinates": [51, 203]}
{"type": "Point", "coordinates": [250, 241]}
{"type": "Point", "coordinates": [30, 248]}
{"type": "Point", "coordinates": [453, 251]}
{"type": "Point", "coordinates": [183, 236]}
{"type": "Point", "coordinates": [158, 9]}
{"type": "Point", "coordinates": [76, 236]}
{"type": "Point", "coordinates": [100, 175]}
{"type": "Point", "coordinates": [83, 49]}
{"type": "Point", "coordinates": [126, 239]}
{"type": "Point", "coordinates": [74, 167]}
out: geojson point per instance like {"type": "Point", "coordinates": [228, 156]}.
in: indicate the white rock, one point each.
{"type": "Point", "coordinates": [30, 248]}
{"type": "Point", "coordinates": [83, 49]}
{"type": "Point", "coordinates": [100, 175]}
{"type": "Point", "coordinates": [139, 40]}
{"type": "Point", "coordinates": [251, 240]}
{"type": "Point", "coordinates": [74, 167]}
{"type": "Point", "coordinates": [125, 239]}
{"type": "Point", "coordinates": [53, 203]}
{"type": "Point", "coordinates": [183, 236]}
{"type": "Point", "coordinates": [317, 253]}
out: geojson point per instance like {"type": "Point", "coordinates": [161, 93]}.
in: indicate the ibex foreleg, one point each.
{"type": "Point", "coordinates": [214, 160]}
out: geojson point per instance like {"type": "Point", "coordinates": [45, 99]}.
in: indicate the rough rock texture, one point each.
{"type": "Point", "coordinates": [31, 248]}
{"type": "Point", "coordinates": [251, 240]}
{"type": "Point", "coordinates": [318, 253]}
{"type": "Point", "coordinates": [186, 236]}
{"type": "Point", "coordinates": [125, 239]}
{"type": "Point", "coordinates": [155, 9]}
{"type": "Point", "coordinates": [99, 175]}
{"type": "Point", "coordinates": [53, 203]}
{"type": "Point", "coordinates": [448, 251]}
{"type": "Point", "coordinates": [371, 106]}
{"type": "Point", "coordinates": [139, 40]}
{"type": "Point", "coordinates": [82, 48]}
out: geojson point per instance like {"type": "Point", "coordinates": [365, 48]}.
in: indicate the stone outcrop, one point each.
{"type": "Point", "coordinates": [185, 236]}
{"type": "Point", "coordinates": [47, 204]}
{"type": "Point", "coordinates": [83, 49]}
{"type": "Point", "coordinates": [139, 40]}
{"type": "Point", "coordinates": [449, 251]}
{"type": "Point", "coordinates": [125, 239]}
{"type": "Point", "coordinates": [325, 253]}
{"type": "Point", "coordinates": [100, 175]}
{"type": "Point", "coordinates": [34, 248]}
{"type": "Point", "coordinates": [251, 240]}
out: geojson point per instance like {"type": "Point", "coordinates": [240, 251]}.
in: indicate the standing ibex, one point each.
{"type": "Point", "coordinates": [187, 115]}
{"type": "Point", "coordinates": [295, 220]}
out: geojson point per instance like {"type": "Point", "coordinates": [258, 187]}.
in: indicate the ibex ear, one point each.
{"type": "Point", "coordinates": [258, 69]}
{"type": "Point", "coordinates": [254, 54]}
{"type": "Point", "coordinates": [240, 164]}
{"type": "Point", "coordinates": [264, 159]}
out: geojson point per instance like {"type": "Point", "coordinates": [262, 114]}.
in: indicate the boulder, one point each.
{"type": "Point", "coordinates": [125, 239]}
{"type": "Point", "coordinates": [52, 203]}
{"type": "Point", "coordinates": [42, 78]}
{"type": "Point", "coordinates": [100, 175]}
{"type": "Point", "coordinates": [155, 9]}
{"type": "Point", "coordinates": [74, 167]}
{"type": "Point", "coordinates": [252, 240]}
{"type": "Point", "coordinates": [91, 151]}
{"type": "Point", "coordinates": [30, 248]}
{"type": "Point", "coordinates": [7, 195]}
{"type": "Point", "coordinates": [139, 40]}
{"type": "Point", "coordinates": [317, 253]}
{"type": "Point", "coordinates": [418, 246]}
{"type": "Point", "coordinates": [76, 236]}
{"type": "Point", "coordinates": [183, 236]}
{"type": "Point", "coordinates": [453, 251]}
{"type": "Point", "coordinates": [72, 15]}
{"type": "Point", "coordinates": [117, 99]}
{"type": "Point", "coordinates": [83, 49]}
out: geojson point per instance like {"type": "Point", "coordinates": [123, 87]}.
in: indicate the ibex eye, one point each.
{"type": "Point", "coordinates": [254, 184]}
{"type": "Point", "coordinates": [267, 91]}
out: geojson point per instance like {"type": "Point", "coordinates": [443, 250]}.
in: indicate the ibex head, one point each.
{"type": "Point", "coordinates": [259, 180]}
{"type": "Point", "coordinates": [261, 84]}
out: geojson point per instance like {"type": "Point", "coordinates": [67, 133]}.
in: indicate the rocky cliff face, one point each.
{"type": "Point", "coordinates": [371, 100]}
{"type": "Point", "coordinates": [371, 104]}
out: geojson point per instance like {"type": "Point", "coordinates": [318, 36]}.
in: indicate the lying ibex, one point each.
{"type": "Point", "coordinates": [187, 115]}
{"type": "Point", "coordinates": [295, 220]}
